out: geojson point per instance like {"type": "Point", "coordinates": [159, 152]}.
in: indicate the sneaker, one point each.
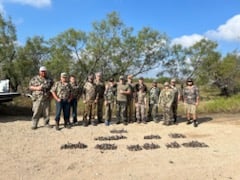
{"type": "Point", "coordinates": [48, 126]}
{"type": "Point", "coordinates": [34, 128]}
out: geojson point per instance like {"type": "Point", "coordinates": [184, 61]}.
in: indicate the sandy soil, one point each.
{"type": "Point", "coordinates": [26, 154]}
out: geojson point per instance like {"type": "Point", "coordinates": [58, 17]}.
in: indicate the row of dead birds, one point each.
{"type": "Point", "coordinates": [146, 146]}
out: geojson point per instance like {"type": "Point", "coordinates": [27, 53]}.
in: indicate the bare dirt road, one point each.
{"type": "Point", "coordinates": [26, 154]}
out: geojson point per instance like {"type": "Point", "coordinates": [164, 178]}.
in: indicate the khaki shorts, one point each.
{"type": "Point", "coordinates": [190, 108]}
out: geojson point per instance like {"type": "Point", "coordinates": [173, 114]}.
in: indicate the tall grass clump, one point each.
{"type": "Point", "coordinates": [221, 105]}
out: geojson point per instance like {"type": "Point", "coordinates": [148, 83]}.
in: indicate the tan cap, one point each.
{"type": "Point", "coordinates": [64, 74]}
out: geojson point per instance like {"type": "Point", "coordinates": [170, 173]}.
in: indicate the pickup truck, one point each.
{"type": "Point", "coordinates": [5, 94]}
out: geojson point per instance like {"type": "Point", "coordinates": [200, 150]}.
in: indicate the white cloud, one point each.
{"type": "Point", "coordinates": [187, 41]}
{"type": "Point", "coordinates": [228, 31]}
{"type": "Point", "coordinates": [35, 3]}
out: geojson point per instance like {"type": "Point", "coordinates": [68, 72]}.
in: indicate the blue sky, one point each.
{"type": "Point", "coordinates": [184, 21]}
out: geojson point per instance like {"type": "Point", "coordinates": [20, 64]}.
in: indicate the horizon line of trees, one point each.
{"type": "Point", "coordinates": [114, 49]}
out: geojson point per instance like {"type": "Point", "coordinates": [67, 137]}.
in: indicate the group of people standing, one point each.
{"type": "Point", "coordinates": [129, 101]}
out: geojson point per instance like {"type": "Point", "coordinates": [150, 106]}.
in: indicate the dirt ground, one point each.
{"type": "Point", "coordinates": [27, 154]}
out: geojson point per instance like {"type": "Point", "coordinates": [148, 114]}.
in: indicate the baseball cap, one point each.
{"type": "Point", "coordinates": [173, 80]}
{"type": "Point", "coordinates": [64, 74]}
{"type": "Point", "coordinates": [98, 74]}
{"type": "Point", "coordinates": [42, 68]}
{"type": "Point", "coordinates": [141, 78]}
{"type": "Point", "coordinates": [121, 77]}
{"type": "Point", "coordinates": [166, 84]}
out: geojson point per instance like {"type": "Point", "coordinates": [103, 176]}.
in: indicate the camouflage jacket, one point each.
{"type": "Point", "coordinates": [166, 98]}
{"type": "Point", "coordinates": [190, 94]}
{"type": "Point", "coordinates": [109, 94]}
{"type": "Point", "coordinates": [76, 92]}
{"type": "Point", "coordinates": [62, 90]}
{"type": "Point", "coordinates": [89, 91]}
{"type": "Point", "coordinates": [154, 93]}
{"type": "Point", "coordinates": [141, 98]}
{"type": "Point", "coordinates": [46, 84]}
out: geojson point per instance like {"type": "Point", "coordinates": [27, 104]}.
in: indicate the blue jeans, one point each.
{"type": "Point", "coordinates": [64, 106]}
{"type": "Point", "coordinates": [73, 106]}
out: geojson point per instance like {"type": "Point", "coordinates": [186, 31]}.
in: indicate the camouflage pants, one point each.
{"type": "Point", "coordinates": [121, 111]}
{"type": "Point", "coordinates": [141, 112]}
{"type": "Point", "coordinates": [153, 112]}
{"type": "Point", "coordinates": [108, 111]}
{"type": "Point", "coordinates": [40, 108]}
{"type": "Point", "coordinates": [89, 110]}
{"type": "Point", "coordinates": [100, 109]}
{"type": "Point", "coordinates": [167, 114]}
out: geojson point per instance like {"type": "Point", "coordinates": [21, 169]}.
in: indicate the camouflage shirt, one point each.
{"type": "Point", "coordinates": [46, 84]}
{"type": "Point", "coordinates": [75, 90]}
{"type": "Point", "coordinates": [141, 97]}
{"type": "Point", "coordinates": [154, 95]}
{"type": "Point", "coordinates": [62, 90]}
{"type": "Point", "coordinates": [109, 94]}
{"type": "Point", "coordinates": [89, 91]}
{"type": "Point", "coordinates": [190, 94]}
{"type": "Point", "coordinates": [166, 97]}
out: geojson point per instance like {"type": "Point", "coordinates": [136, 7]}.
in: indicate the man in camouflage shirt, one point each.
{"type": "Point", "coordinates": [165, 100]}
{"type": "Point", "coordinates": [61, 92]}
{"type": "Point", "coordinates": [191, 101]}
{"type": "Point", "coordinates": [100, 88]}
{"type": "Point", "coordinates": [154, 93]}
{"type": "Point", "coordinates": [76, 92]}
{"type": "Point", "coordinates": [109, 97]}
{"type": "Point", "coordinates": [89, 100]}
{"type": "Point", "coordinates": [141, 105]}
{"type": "Point", "coordinates": [40, 86]}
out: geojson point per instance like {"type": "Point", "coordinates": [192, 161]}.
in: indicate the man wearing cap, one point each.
{"type": "Point", "coordinates": [191, 101]}
{"type": "Point", "coordinates": [40, 86]}
{"type": "Point", "coordinates": [154, 93]}
{"type": "Point", "coordinates": [100, 88]}
{"type": "Point", "coordinates": [123, 90]}
{"type": "Point", "coordinates": [62, 93]}
{"type": "Point", "coordinates": [137, 88]}
{"type": "Point", "coordinates": [109, 97]}
{"type": "Point", "coordinates": [89, 100]}
{"type": "Point", "coordinates": [165, 100]}
{"type": "Point", "coordinates": [176, 99]}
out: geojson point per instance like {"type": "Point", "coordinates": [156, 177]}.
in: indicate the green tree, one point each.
{"type": "Point", "coordinates": [65, 54]}
{"type": "Point", "coordinates": [8, 51]}
{"type": "Point", "coordinates": [29, 58]}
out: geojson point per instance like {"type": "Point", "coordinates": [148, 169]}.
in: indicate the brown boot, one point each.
{"type": "Point", "coordinates": [57, 126]}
